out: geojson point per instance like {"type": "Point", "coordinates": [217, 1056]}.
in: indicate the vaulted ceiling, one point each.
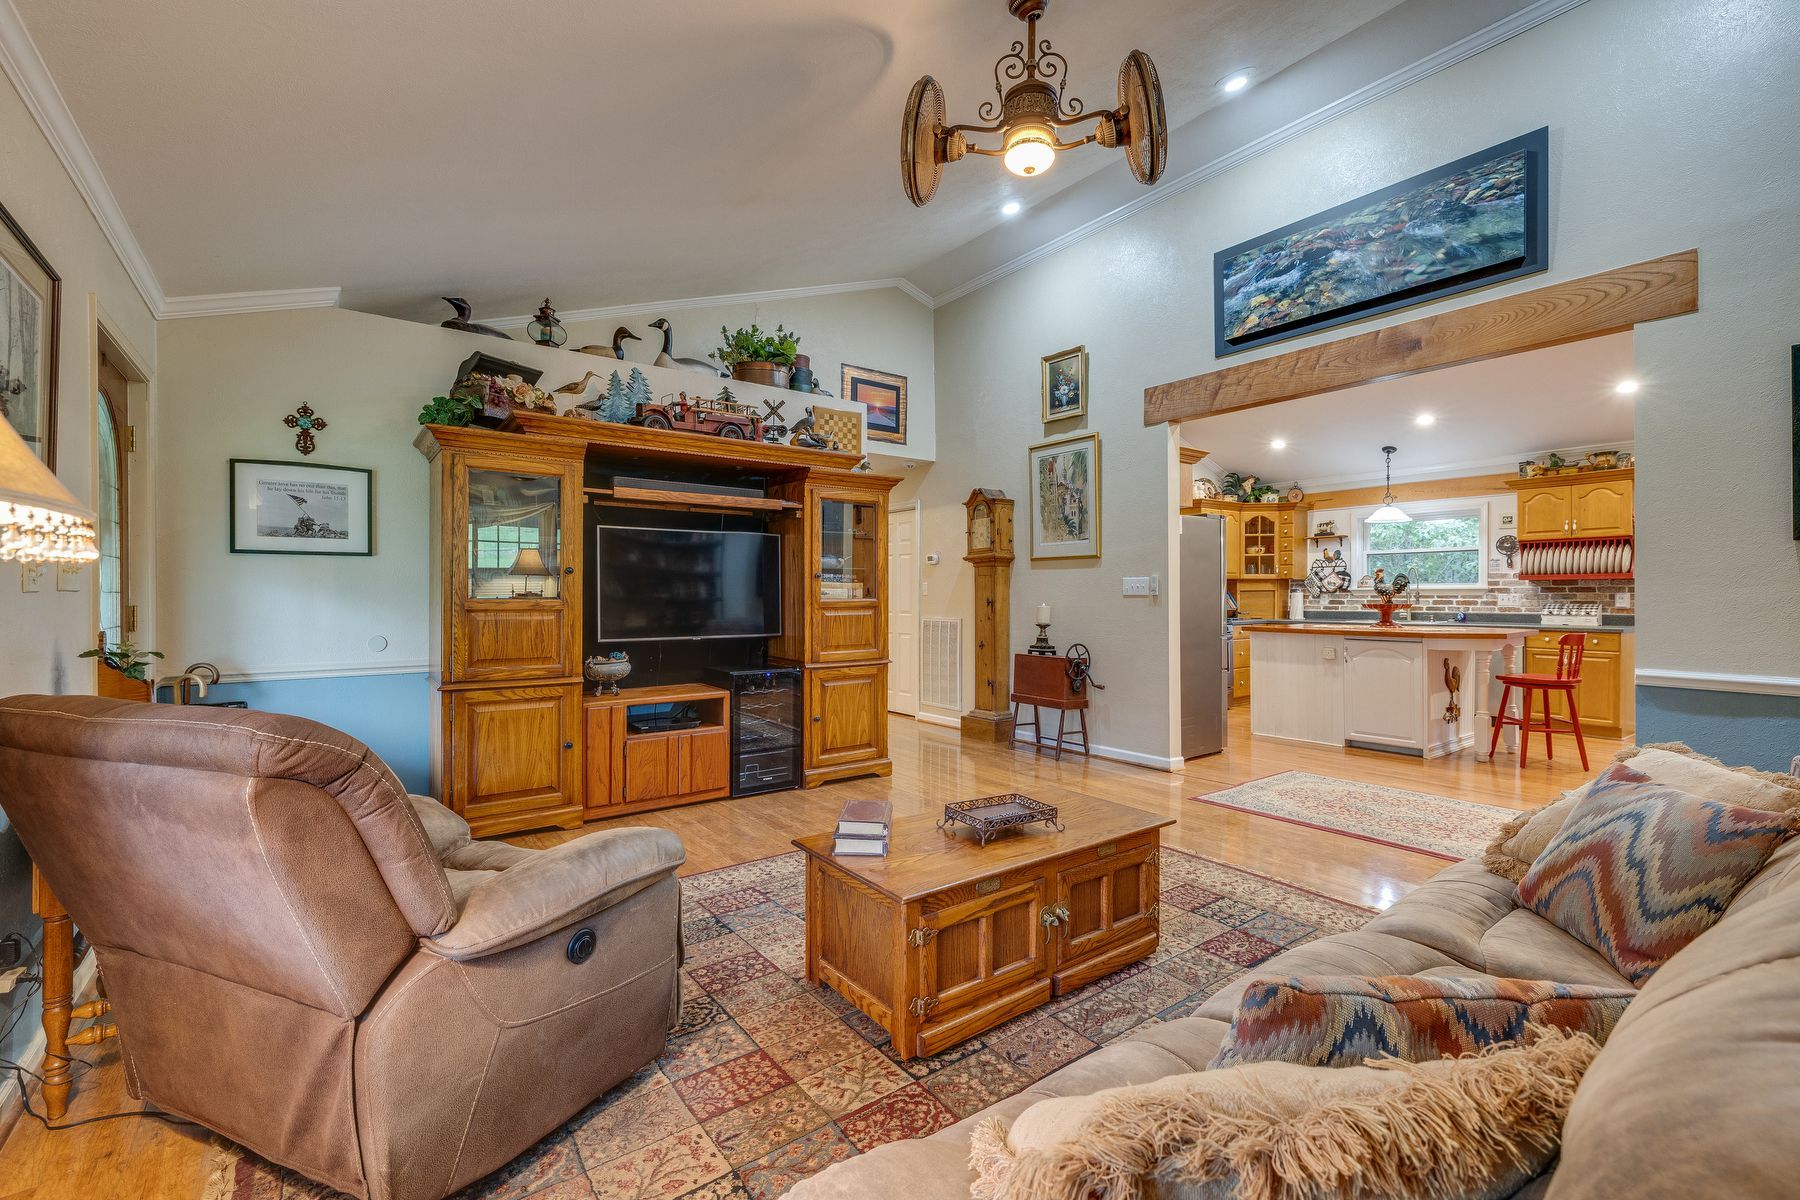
{"type": "Point", "coordinates": [599, 153]}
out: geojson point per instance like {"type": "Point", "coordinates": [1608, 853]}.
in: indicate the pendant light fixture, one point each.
{"type": "Point", "coordinates": [1389, 513]}
{"type": "Point", "coordinates": [1028, 116]}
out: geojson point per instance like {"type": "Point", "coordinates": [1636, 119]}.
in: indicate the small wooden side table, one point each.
{"type": "Point", "coordinates": [59, 996]}
{"type": "Point", "coordinates": [1042, 681]}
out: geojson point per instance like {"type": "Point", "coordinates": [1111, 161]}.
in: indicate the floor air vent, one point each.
{"type": "Point", "coordinates": [940, 662]}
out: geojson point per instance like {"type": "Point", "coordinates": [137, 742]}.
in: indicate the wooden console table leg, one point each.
{"type": "Point", "coordinates": [59, 992]}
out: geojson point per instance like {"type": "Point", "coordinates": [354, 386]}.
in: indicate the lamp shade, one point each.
{"type": "Point", "coordinates": [40, 521]}
{"type": "Point", "coordinates": [528, 562]}
{"type": "Point", "coordinates": [1388, 514]}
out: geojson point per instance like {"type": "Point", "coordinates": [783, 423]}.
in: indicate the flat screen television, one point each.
{"type": "Point", "coordinates": [686, 583]}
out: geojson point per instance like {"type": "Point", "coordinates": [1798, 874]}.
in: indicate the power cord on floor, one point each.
{"type": "Point", "coordinates": [81, 1067]}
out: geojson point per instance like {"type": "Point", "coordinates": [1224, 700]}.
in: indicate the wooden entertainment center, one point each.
{"type": "Point", "coordinates": [520, 741]}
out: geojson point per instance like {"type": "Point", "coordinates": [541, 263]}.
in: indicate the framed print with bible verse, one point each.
{"type": "Point", "coordinates": [884, 396]}
{"type": "Point", "coordinates": [1065, 497]}
{"type": "Point", "coordinates": [1065, 384]}
{"type": "Point", "coordinates": [300, 508]}
{"type": "Point", "coordinates": [30, 294]}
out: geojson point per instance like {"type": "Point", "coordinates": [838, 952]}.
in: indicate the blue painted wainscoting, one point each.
{"type": "Point", "coordinates": [390, 714]}
{"type": "Point", "coordinates": [1755, 729]}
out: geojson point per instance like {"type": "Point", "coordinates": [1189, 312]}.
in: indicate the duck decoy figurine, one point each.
{"type": "Point", "coordinates": [666, 358]}
{"type": "Point", "coordinates": [617, 350]}
{"type": "Point", "coordinates": [461, 320]}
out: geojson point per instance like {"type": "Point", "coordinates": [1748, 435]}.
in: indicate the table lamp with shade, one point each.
{"type": "Point", "coordinates": [529, 564]}
{"type": "Point", "coordinates": [40, 521]}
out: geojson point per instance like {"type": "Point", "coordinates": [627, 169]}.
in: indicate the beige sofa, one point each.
{"type": "Point", "coordinates": [1694, 1096]}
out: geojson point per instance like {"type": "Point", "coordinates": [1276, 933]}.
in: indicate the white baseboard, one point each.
{"type": "Point", "coordinates": [32, 1058]}
{"type": "Point", "coordinates": [928, 718]}
{"type": "Point", "coordinates": [1715, 681]}
{"type": "Point", "coordinates": [1135, 758]}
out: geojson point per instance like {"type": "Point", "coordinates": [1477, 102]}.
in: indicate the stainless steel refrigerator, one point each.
{"type": "Point", "coordinates": [1205, 637]}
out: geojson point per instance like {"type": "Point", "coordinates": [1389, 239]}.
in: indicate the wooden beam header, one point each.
{"type": "Point", "coordinates": [1593, 306]}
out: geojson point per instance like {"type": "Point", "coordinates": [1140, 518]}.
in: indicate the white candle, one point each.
{"type": "Point", "coordinates": [1043, 617]}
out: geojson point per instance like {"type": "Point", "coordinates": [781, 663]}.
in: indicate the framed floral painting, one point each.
{"type": "Point", "coordinates": [1065, 384]}
{"type": "Point", "coordinates": [30, 296]}
{"type": "Point", "coordinates": [1065, 497]}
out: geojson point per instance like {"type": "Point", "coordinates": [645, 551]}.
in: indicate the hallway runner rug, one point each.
{"type": "Point", "coordinates": [768, 1080]}
{"type": "Point", "coordinates": [1436, 825]}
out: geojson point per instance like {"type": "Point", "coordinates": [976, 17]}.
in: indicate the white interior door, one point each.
{"type": "Point", "coordinates": [903, 610]}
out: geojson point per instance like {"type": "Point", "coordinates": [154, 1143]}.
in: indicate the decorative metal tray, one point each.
{"type": "Point", "coordinates": [990, 814]}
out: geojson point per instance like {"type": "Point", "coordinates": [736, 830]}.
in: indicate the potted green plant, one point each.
{"type": "Point", "coordinates": [450, 410]}
{"type": "Point", "coordinates": [126, 676]}
{"type": "Point", "coordinates": [753, 356]}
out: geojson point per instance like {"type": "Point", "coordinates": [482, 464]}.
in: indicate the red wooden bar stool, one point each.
{"type": "Point", "coordinates": [1567, 677]}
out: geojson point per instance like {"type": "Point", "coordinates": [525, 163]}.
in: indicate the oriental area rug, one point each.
{"type": "Point", "coordinates": [768, 1080]}
{"type": "Point", "coordinates": [1436, 825]}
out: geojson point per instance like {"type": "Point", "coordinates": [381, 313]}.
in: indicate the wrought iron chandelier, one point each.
{"type": "Point", "coordinates": [1030, 115]}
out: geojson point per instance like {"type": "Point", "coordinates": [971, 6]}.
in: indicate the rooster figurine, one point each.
{"type": "Point", "coordinates": [1387, 595]}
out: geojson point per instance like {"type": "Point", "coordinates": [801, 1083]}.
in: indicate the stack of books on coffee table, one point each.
{"type": "Point", "coordinates": [862, 828]}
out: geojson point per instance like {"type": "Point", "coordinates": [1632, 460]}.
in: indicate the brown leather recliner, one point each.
{"type": "Point", "coordinates": [307, 960]}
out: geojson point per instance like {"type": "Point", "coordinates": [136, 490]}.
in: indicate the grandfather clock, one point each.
{"type": "Point", "coordinates": [990, 538]}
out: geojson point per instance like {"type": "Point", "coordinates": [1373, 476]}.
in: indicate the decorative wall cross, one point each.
{"type": "Point", "coordinates": [307, 423]}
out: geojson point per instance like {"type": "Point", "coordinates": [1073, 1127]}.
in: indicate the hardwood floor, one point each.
{"type": "Point", "coordinates": [146, 1158]}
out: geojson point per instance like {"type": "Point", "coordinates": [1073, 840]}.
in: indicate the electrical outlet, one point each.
{"type": "Point", "coordinates": [31, 576]}
{"type": "Point", "coordinates": [1156, 585]}
{"type": "Point", "coordinates": [1622, 600]}
{"type": "Point", "coordinates": [1137, 585]}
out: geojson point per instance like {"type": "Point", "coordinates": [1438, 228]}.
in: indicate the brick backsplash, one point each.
{"type": "Point", "coordinates": [1505, 593]}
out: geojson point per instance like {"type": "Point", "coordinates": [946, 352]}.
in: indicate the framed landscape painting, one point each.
{"type": "Point", "coordinates": [1065, 384]}
{"type": "Point", "coordinates": [884, 395]}
{"type": "Point", "coordinates": [300, 508]}
{"type": "Point", "coordinates": [1065, 497]}
{"type": "Point", "coordinates": [1466, 224]}
{"type": "Point", "coordinates": [30, 295]}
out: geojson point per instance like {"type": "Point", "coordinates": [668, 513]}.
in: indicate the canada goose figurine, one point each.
{"type": "Point", "coordinates": [585, 393]}
{"type": "Point", "coordinates": [618, 345]}
{"type": "Point", "coordinates": [666, 358]}
{"type": "Point", "coordinates": [461, 320]}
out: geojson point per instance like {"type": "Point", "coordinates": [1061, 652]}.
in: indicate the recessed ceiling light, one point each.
{"type": "Point", "coordinates": [1235, 82]}
{"type": "Point", "coordinates": [1278, 443]}
{"type": "Point", "coordinates": [1626, 387]}
{"type": "Point", "coordinates": [1011, 208]}
{"type": "Point", "coordinates": [1424, 419]}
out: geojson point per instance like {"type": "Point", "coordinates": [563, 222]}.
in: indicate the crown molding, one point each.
{"type": "Point", "coordinates": [797, 293]}
{"type": "Point", "coordinates": [31, 76]}
{"type": "Point", "coordinates": [1508, 464]}
{"type": "Point", "coordinates": [221, 304]}
{"type": "Point", "coordinates": [1441, 60]}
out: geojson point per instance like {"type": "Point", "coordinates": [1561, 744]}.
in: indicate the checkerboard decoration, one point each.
{"type": "Point", "coordinates": [768, 1080]}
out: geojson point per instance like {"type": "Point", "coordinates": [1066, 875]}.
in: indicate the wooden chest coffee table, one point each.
{"type": "Point", "coordinates": [944, 938]}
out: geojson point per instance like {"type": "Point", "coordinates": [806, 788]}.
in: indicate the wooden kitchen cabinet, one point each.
{"type": "Point", "coordinates": [515, 760]}
{"type": "Point", "coordinates": [1601, 509]}
{"type": "Point", "coordinates": [1588, 504]}
{"type": "Point", "coordinates": [1606, 695]}
{"type": "Point", "coordinates": [1234, 544]}
{"type": "Point", "coordinates": [1240, 666]}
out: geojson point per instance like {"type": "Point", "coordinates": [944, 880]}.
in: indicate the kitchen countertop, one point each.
{"type": "Point", "coordinates": [1417, 630]}
{"type": "Point", "coordinates": [1613, 623]}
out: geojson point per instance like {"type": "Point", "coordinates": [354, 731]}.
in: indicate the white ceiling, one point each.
{"type": "Point", "coordinates": [601, 153]}
{"type": "Point", "coordinates": [1489, 416]}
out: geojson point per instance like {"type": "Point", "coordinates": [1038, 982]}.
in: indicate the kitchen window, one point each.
{"type": "Point", "coordinates": [1440, 548]}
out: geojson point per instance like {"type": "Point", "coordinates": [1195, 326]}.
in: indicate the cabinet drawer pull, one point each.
{"type": "Point", "coordinates": [1054, 915]}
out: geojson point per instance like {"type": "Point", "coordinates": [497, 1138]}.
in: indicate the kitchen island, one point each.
{"type": "Point", "coordinates": [1380, 688]}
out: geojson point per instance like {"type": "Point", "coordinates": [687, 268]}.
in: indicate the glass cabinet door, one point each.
{"type": "Point", "coordinates": [514, 536]}
{"type": "Point", "coordinates": [1259, 545]}
{"type": "Point", "coordinates": [848, 545]}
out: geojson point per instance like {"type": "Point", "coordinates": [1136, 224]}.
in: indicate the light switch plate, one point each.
{"type": "Point", "coordinates": [1137, 585]}
{"type": "Point", "coordinates": [1622, 600]}
{"type": "Point", "coordinates": [31, 576]}
{"type": "Point", "coordinates": [68, 577]}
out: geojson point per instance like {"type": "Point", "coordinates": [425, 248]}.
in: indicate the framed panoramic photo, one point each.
{"type": "Point", "coordinates": [30, 296]}
{"type": "Point", "coordinates": [1065, 497]}
{"type": "Point", "coordinates": [1065, 384]}
{"type": "Point", "coordinates": [1466, 224]}
{"type": "Point", "coordinates": [300, 508]}
{"type": "Point", "coordinates": [883, 395]}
